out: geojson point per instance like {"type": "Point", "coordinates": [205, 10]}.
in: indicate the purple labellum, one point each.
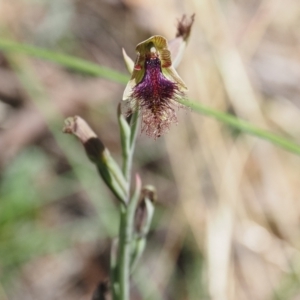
{"type": "Point", "coordinates": [156, 96]}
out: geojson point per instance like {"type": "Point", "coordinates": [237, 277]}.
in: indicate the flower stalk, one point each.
{"type": "Point", "coordinates": [119, 182]}
{"type": "Point", "coordinates": [153, 92]}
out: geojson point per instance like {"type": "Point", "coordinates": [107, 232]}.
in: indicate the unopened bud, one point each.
{"type": "Point", "coordinates": [98, 154]}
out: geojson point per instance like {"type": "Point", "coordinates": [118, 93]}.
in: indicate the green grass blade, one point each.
{"type": "Point", "coordinates": [86, 67]}
{"type": "Point", "coordinates": [68, 61]}
{"type": "Point", "coordinates": [243, 126]}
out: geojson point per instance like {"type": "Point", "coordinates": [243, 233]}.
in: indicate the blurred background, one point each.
{"type": "Point", "coordinates": [227, 221]}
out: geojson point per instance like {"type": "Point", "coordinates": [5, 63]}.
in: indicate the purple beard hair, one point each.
{"type": "Point", "coordinates": [155, 95]}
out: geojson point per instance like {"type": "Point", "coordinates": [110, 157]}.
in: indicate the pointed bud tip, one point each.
{"type": "Point", "coordinates": [70, 125]}
{"type": "Point", "coordinates": [184, 26]}
{"type": "Point", "coordinates": [79, 127]}
{"type": "Point", "coordinates": [149, 191]}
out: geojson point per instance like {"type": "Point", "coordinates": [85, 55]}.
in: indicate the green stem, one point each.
{"type": "Point", "coordinates": [133, 134]}
{"type": "Point", "coordinates": [125, 239]}
{"type": "Point", "coordinates": [128, 136]}
{"type": "Point", "coordinates": [124, 255]}
{"type": "Point", "coordinates": [127, 213]}
{"type": "Point", "coordinates": [134, 127]}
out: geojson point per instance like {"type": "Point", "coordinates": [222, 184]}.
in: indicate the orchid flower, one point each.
{"type": "Point", "coordinates": [155, 86]}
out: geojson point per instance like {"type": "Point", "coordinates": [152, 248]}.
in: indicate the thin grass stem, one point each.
{"type": "Point", "coordinates": [68, 61]}
{"type": "Point", "coordinates": [243, 126]}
